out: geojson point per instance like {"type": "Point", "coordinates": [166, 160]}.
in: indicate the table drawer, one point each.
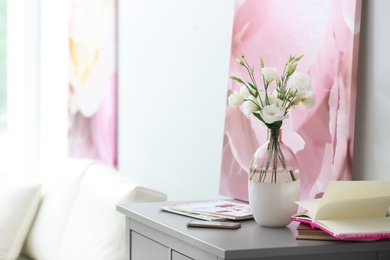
{"type": "Point", "coordinates": [178, 256]}
{"type": "Point", "coordinates": [144, 248]}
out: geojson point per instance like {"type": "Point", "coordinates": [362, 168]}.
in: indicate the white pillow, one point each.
{"type": "Point", "coordinates": [96, 231]}
{"type": "Point", "coordinates": [19, 201]}
{"type": "Point", "coordinates": [61, 179]}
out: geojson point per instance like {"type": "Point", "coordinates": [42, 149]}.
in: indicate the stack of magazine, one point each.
{"type": "Point", "coordinates": [212, 210]}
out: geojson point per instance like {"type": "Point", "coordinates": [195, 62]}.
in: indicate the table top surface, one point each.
{"type": "Point", "coordinates": [251, 237]}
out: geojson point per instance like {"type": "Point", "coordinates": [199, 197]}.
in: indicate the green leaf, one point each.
{"type": "Point", "coordinates": [258, 116]}
{"type": "Point", "coordinates": [275, 125]}
{"type": "Point", "coordinates": [252, 86]}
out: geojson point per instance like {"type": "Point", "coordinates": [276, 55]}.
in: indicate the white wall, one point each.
{"type": "Point", "coordinates": [173, 68]}
{"type": "Point", "coordinates": [372, 131]}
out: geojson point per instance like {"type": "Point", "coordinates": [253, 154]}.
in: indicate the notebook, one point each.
{"type": "Point", "coordinates": [350, 210]}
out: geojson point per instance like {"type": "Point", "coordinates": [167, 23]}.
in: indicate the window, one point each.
{"type": "Point", "coordinates": [18, 84]}
{"type": "Point", "coordinates": [30, 106]}
{"type": "Point", "coordinates": [3, 76]}
{"type": "Point", "coordinates": [3, 68]}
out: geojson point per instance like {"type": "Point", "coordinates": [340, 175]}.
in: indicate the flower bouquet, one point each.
{"type": "Point", "coordinates": [271, 105]}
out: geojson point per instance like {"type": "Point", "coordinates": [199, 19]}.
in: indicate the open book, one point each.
{"type": "Point", "coordinates": [350, 210]}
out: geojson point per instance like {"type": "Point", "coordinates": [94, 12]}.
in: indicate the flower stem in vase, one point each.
{"type": "Point", "coordinates": [273, 161]}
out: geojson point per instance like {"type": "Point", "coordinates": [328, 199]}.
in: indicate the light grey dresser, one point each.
{"type": "Point", "coordinates": [152, 234]}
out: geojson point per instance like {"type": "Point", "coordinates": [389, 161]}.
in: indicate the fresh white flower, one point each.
{"type": "Point", "coordinates": [235, 99]}
{"type": "Point", "coordinates": [273, 113]}
{"type": "Point", "coordinates": [244, 92]}
{"type": "Point", "coordinates": [272, 104]}
{"type": "Point", "coordinates": [278, 102]}
{"type": "Point", "coordinates": [273, 97]}
{"type": "Point", "coordinates": [291, 89]}
{"type": "Point", "coordinates": [269, 74]}
{"type": "Point", "coordinates": [299, 82]}
{"type": "Point", "coordinates": [309, 100]}
{"type": "Point", "coordinates": [262, 98]}
{"type": "Point", "coordinates": [250, 105]}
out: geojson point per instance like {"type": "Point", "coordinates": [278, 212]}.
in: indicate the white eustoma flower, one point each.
{"type": "Point", "coordinates": [235, 99]}
{"type": "Point", "coordinates": [269, 74]}
{"type": "Point", "coordinates": [273, 113]}
{"type": "Point", "coordinates": [244, 92]}
{"type": "Point", "coordinates": [250, 105]}
{"type": "Point", "coordinates": [273, 97]}
{"type": "Point", "coordinates": [309, 100]}
{"type": "Point", "coordinates": [272, 104]}
{"type": "Point", "coordinates": [299, 82]}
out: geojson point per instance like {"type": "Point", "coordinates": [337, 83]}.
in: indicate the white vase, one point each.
{"type": "Point", "coordinates": [273, 204]}
{"type": "Point", "coordinates": [274, 184]}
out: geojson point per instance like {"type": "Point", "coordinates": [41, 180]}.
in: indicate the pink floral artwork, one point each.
{"type": "Point", "coordinates": [327, 34]}
{"type": "Point", "coordinates": [92, 80]}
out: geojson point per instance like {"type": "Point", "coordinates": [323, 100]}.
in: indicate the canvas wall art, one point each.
{"type": "Point", "coordinates": [326, 33]}
{"type": "Point", "coordinates": [92, 80]}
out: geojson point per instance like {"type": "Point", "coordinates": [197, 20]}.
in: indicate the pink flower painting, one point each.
{"type": "Point", "coordinates": [327, 34]}
{"type": "Point", "coordinates": [92, 80]}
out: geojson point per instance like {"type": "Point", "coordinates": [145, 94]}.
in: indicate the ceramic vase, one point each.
{"type": "Point", "coordinates": [273, 183]}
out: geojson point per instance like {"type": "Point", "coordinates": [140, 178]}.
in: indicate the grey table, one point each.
{"type": "Point", "coordinates": [155, 234]}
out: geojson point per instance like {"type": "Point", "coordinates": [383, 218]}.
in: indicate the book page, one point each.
{"type": "Point", "coordinates": [349, 199]}
{"type": "Point", "coordinates": [358, 227]}
{"type": "Point", "coordinates": [340, 190]}
{"type": "Point", "coordinates": [310, 205]}
{"type": "Point", "coordinates": [354, 208]}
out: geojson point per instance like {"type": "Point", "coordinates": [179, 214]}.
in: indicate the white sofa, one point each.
{"type": "Point", "coordinates": [67, 211]}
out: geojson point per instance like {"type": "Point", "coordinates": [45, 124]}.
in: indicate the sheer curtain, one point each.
{"type": "Point", "coordinates": [22, 84]}
{"type": "Point", "coordinates": [53, 105]}
{"type": "Point", "coordinates": [37, 82]}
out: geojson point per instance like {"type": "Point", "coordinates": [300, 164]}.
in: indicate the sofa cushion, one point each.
{"type": "Point", "coordinates": [22, 257]}
{"type": "Point", "coordinates": [94, 222]}
{"type": "Point", "coordinates": [19, 201]}
{"type": "Point", "coordinates": [61, 180]}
